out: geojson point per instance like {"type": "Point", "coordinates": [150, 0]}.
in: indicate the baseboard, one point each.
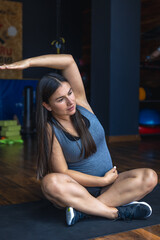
{"type": "Point", "coordinates": [123, 138]}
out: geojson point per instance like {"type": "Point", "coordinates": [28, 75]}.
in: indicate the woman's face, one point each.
{"type": "Point", "coordinates": [62, 102]}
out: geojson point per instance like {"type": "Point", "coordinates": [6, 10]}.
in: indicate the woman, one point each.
{"type": "Point", "coordinates": [73, 159]}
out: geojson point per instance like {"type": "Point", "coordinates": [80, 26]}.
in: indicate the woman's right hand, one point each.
{"type": "Point", "coordinates": [17, 65]}
{"type": "Point", "coordinates": [110, 176]}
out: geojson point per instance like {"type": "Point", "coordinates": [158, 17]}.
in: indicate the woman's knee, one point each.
{"type": "Point", "coordinates": [52, 184]}
{"type": "Point", "coordinates": [151, 178]}
{"type": "Point", "coordinates": [148, 179]}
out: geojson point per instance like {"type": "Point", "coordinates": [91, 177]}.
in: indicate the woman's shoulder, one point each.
{"type": "Point", "coordinates": [85, 107]}
{"type": "Point", "coordinates": [86, 112]}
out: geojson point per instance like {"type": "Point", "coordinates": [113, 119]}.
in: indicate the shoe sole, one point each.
{"type": "Point", "coordinates": [144, 203]}
{"type": "Point", "coordinates": [69, 215]}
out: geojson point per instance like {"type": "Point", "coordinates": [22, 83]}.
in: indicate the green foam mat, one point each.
{"type": "Point", "coordinates": [8, 123]}
{"type": "Point", "coordinates": [11, 128]}
{"type": "Point", "coordinates": [9, 133]}
{"type": "Point", "coordinates": [14, 138]}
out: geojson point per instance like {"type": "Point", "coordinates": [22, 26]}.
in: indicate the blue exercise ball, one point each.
{"type": "Point", "coordinates": [149, 117]}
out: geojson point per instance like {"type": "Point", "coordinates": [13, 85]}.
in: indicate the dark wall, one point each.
{"type": "Point", "coordinates": [40, 27]}
{"type": "Point", "coordinates": [39, 30]}
{"type": "Point", "coordinates": [125, 67]}
{"type": "Point", "coordinates": [100, 61]}
{"type": "Point", "coordinates": [115, 65]}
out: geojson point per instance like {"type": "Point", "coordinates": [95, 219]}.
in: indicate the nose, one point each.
{"type": "Point", "coordinates": [69, 101]}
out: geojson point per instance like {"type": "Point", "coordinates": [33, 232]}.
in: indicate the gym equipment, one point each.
{"type": "Point", "coordinates": [10, 141]}
{"type": "Point", "coordinates": [10, 132]}
{"type": "Point", "coordinates": [142, 94]}
{"type": "Point", "coordinates": [7, 123]}
{"type": "Point", "coordinates": [149, 117]}
{"type": "Point", "coordinates": [143, 130]}
{"type": "Point", "coordinates": [28, 110]}
{"type": "Point", "coordinates": [59, 42]}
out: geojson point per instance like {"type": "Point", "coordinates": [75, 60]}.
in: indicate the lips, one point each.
{"type": "Point", "coordinates": [71, 108]}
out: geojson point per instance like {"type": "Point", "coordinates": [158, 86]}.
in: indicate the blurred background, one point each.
{"type": "Point", "coordinates": [115, 44]}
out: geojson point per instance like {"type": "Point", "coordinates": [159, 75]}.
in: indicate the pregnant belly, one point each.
{"type": "Point", "coordinates": [92, 166]}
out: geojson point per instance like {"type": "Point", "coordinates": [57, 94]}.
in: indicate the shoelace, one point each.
{"type": "Point", "coordinates": [126, 215]}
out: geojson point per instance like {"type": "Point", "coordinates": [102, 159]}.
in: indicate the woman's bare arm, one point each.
{"type": "Point", "coordinates": [59, 165]}
{"type": "Point", "coordinates": [63, 62]}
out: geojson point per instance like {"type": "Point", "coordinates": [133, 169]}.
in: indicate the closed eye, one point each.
{"type": "Point", "coordinates": [60, 100]}
{"type": "Point", "coordinates": [70, 92]}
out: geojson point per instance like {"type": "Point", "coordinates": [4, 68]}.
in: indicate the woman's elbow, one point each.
{"type": "Point", "coordinates": [70, 59]}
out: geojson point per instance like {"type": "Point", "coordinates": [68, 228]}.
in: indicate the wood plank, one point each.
{"type": "Point", "coordinates": [18, 180]}
{"type": "Point", "coordinates": [154, 229]}
{"type": "Point", "coordinates": [124, 138]}
{"type": "Point", "coordinates": [147, 233]}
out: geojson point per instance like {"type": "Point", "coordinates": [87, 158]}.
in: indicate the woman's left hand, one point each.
{"type": "Point", "coordinates": [17, 65]}
{"type": "Point", "coordinates": [110, 176]}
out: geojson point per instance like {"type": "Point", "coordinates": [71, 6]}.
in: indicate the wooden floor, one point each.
{"type": "Point", "coordinates": [18, 174]}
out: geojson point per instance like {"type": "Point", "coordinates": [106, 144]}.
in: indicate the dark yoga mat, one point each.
{"type": "Point", "coordinates": [41, 221]}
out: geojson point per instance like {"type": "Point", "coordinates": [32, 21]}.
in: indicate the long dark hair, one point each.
{"type": "Point", "coordinates": [46, 87]}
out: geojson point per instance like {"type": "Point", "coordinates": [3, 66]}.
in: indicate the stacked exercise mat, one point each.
{"type": "Point", "coordinates": [10, 131]}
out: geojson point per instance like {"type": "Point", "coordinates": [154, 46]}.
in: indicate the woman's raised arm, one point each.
{"type": "Point", "coordinates": [57, 61]}
{"type": "Point", "coordinates": [63, 62]}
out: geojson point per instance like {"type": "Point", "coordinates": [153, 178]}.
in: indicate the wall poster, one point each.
{"type": "Point", "coordinates": [10, 37]}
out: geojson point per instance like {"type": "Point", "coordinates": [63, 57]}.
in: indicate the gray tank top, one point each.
{"type": "Point", "coordinates": [98, 163]}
